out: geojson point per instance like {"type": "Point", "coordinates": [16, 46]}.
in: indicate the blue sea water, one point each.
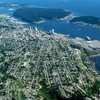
{"type": "Point", "coordinates": [96, 62]}
{"type": "Point", "coordinates": [78, 7]}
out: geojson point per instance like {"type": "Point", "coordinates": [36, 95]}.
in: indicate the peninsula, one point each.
{"type": "Point", "coordinates": [88, 20]}
{"type": "Point", "coordinates": [39, 14]}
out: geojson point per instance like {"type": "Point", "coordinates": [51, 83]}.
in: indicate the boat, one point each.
{"type": "Point", "coordinates": [88, 38]}
{"type": "Point", "coordinates": [11, 9]}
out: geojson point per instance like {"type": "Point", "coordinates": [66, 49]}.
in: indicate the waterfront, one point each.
{"type": "Point", "coordinates": [62, 26]}
{"type": "Point", "coordinates": [95, 62]}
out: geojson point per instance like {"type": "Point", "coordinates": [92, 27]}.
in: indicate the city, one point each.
{"type": "Point", "coordinates": [33, 61]}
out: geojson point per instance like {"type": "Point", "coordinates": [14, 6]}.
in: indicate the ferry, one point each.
{"type": "Point", "coordinates": [88, 38]}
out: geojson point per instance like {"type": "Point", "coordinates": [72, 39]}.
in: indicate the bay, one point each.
{"type": "Point", "coordinates": [78, 7]}
{"type": "Point", "coordinates": [96, 62]}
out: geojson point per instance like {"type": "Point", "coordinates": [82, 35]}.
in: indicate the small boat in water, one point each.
{"type": "Point", "coordinates": [11, 9]}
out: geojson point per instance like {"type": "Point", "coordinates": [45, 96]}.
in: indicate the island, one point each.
{"type": "Point", "coordinates": [39, 14]}
{"type": "Point", "coordinates": [87, 20]}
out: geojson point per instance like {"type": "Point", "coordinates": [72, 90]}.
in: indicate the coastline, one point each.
{"type": "Point", "coordinates": [94, 44]}
{"type": "Point", "coordinates": [95, 55]}
{"type": "Point", "coordinates": [93, 25]}
{"type": "Point", "coordinates": [39, 22]}
{"type": "Point", "coordinates": [94, 63]}
{"type": "Point", "coordinates": [64, 18]}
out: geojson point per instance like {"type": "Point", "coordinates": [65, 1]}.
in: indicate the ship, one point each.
{"type": "Point", "coordinates": [88, 38]}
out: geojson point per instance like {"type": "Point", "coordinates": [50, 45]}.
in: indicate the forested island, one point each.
{"type": "Point", "coordinates": [39, 14]}
{"type": "Point", "coordinates": [89, 20]}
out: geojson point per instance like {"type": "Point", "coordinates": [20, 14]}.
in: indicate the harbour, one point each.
{"type": "Point", "coordinates": [62, 26]}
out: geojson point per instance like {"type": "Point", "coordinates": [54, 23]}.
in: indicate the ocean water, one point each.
{"type": "Point", "coordinates": [96, 62]}
{"type": "Point", "coordinates": [78, 7]}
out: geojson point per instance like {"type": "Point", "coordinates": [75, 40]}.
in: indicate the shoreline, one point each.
{"type": "Point", "coordinates": [93, 63]}
{"type": "Point", "coordinates": [81, 22]}
{"type": "Point", "coordinates": [95, 55]}
{"type": "Point", "coordinates": [52, 16]}
{"type": "Point", "coordinates": [64, 18]}
{"type": "Point", "coordinates": [83, 43]}
{"type": "Point", "coordinates": [41, 21]}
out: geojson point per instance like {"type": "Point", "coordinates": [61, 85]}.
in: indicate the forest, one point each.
{"type": "Point", "coordinates": [86, 19]}
{"type": "Point", "coordinates": [38, 14]}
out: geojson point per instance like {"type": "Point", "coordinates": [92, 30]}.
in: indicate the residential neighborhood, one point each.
{"type": "Point", "coordinates": [33, 61]}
